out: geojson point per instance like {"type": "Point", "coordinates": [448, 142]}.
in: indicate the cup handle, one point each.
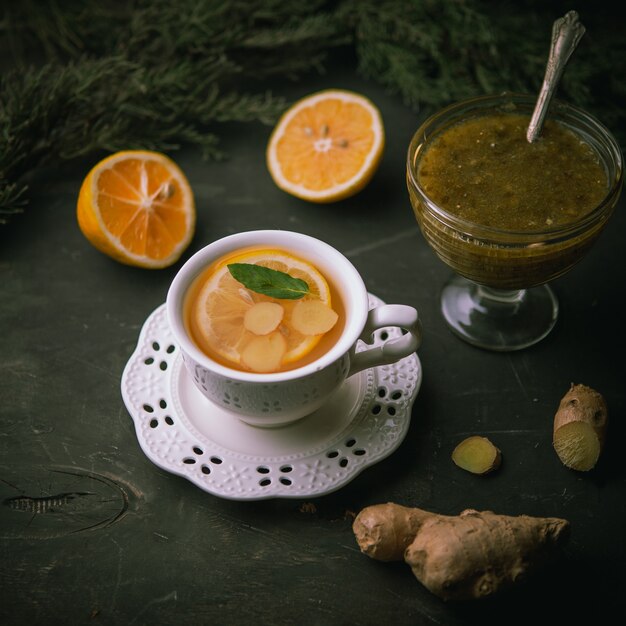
{"type": "Point", "coordinates": [391, 350]}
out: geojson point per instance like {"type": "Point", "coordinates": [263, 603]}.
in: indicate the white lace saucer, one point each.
{"type": "Point", "coordinates": [184, 433]}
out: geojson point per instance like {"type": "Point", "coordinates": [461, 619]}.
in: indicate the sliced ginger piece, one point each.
{"type": "Point", "coordinates": [579, 428]}
{"type": "Point", "coordinates": [264, 353]}
{"type": "Point", "coordinates": [577, 446]}
{"type": "Point", "coordinates": [263, 318]}
{"type": "Point", "coordinates": [477, 455]}
{"type": "Point", "coordinates": [313, 317]}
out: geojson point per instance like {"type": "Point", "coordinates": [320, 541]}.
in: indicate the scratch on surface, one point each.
{"type": "Point", "coordinates": [13, 368]}
{"type": "Point", "coordinates": [44, 447]}
{"type": "Point", "coordinates": [379, 243]}
{"type": "Point", "coordinates": [118, 578]}
{"type": "Point", "coordinates": [434, 620]}
{"type": "Point", "coordinates": [351, 548]}
{"type": "Point", "coordinates": [172, 595]}
{"type": "Point", "coordinates": [393, 593]}
{"type": "Point", "coordinates": [472, 393]}
{"type": "Point", "coordinates": [36, 430]}
{"type": "Point", "coordinates": [505, 431]}
{"type": "Point", "coordinates": [517, 376]}
{"type": "Point", "coordinates": [122, 414]}
{"type": "Point", "coordinates": [66, 447]}
{"type": "Point", "coordinates": [83, 411]}
{"type": "Point", "coordinates": [91, 364]}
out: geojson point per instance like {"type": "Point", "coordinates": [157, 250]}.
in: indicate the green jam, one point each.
{"type": "Point", "coordinates": [485, 171]}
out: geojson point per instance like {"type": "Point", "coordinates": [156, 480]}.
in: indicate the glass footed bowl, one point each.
{"type": "Point", "coordinates": [491, 302]}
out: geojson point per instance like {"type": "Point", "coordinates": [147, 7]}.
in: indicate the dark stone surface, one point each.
{"type": "Point", "coordinates": [92, 532]}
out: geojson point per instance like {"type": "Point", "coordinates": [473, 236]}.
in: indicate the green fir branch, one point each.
{"type": "Point", "coordinates": [81, 76]}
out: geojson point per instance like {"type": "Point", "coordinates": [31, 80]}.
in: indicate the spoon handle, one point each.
{"type": "Point", "coordinates": [566, 33]}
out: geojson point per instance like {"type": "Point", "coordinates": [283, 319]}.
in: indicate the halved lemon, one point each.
{"type": "Point", "coordinates": [238, 326]}
{"type": "Point", "coordinates": [137, 207]}
{"type": "Point", "coordinates": [326, 146]}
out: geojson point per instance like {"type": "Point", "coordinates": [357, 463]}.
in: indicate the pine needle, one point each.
{"type": "Point", "coordinates": [86, 76]}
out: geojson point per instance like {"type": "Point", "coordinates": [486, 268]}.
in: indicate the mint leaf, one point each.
{"type": "Point", "coordinates": [267, 281]}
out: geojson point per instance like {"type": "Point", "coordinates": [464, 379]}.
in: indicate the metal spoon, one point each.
{"type": "Point", "coordinates": [566, 33]}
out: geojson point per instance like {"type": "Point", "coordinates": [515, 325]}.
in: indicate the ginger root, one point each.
{"type": "Point", "coordinates": [471, 555]}
{"type": "Point", "coordinates": [579, 428]}
{"type": "Point", "coordinates": [477, 455]}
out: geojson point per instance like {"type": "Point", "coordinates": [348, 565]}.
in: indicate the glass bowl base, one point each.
{"type": "Point", "coordinates": [495, 319]}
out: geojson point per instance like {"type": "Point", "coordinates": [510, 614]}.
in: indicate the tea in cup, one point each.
{"type": "Point", "coordinates": [268, 322]}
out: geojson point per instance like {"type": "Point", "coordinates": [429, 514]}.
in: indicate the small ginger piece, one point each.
{"type": "Point", "coordinates": [313, 317]}
{"type": "Point", "coordinates": [463, 557]}
{"type": "Point", "coordinates": [263, 318]}
{"type": "Point", "coordinates": [580, 427]}
{"type": "Point", "coordinates": [477, 455]}
{"type": "Point", "coordinates": [264, 353]}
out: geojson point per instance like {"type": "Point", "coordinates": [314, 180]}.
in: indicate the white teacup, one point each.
{"type": "Point", "coordinates": [276, 399]}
